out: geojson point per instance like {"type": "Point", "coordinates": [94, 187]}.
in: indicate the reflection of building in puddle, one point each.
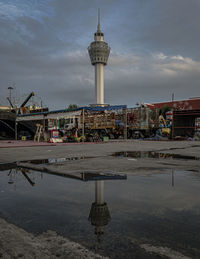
{"type": "Point", "coordinates": [99, 213]}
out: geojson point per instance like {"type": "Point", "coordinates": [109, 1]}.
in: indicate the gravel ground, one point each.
{"type": "Point", "coordinates": [17, 243]}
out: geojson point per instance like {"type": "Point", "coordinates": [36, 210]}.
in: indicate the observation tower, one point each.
{"type": "Point", "coordinates": [99, 52]}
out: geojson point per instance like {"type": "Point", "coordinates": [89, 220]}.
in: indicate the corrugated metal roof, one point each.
{"type": "Point", "coordinates": [190, 104]}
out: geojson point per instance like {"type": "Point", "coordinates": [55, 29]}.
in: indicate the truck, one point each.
{"type": "Point", "coordinates": [111, 122]}
{"type": "Point", "coordinates": [96, 123]}
{"type": "Point", "coordinates": [142, 121]}
{"type": "Point", "coordinates": [106, 123]}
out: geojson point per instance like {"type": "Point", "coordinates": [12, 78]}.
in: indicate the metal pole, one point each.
{"type": "Point", "coordinates": [44, 135]}
{"type": "Point", "coordinates": [16, 130]}
{"type": "Point", "coordinates": [83, 126]}
{"type": "Point", "coordinates": [125, 126]}
{"type": "Point", "coordinates": [173, 116]}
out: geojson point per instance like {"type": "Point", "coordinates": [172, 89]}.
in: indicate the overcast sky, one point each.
{"type": "Point", "coordinates": [155, 50]}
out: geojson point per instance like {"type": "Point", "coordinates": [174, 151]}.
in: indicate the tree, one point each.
{"type": "Point", "coordinates": [72, 106]}
{"type": "Point", "coordinates": [163, 110]}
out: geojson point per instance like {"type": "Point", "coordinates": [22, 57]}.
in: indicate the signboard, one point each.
{"type": "Point", "coordinates": [55, 134]}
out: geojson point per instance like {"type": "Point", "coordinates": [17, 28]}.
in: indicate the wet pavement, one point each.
{"type": "Point", "coordinates": [153, 154]}
{"type": "Point", "coordinates": [160, 210]}
{"type": "Point", "coordinates": [153, 212]}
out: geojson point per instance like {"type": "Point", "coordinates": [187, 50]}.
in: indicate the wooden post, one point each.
{"type": "Point", "coordinates": [44, 132]}
{"type": "Point", "coordinates": [125, 124]}
{"type": "Point", "coordinates": [16, 130]}
{"type": "Point", "coordinates": [44, 123]}
{"type": "Point", "coordinates": [83, 126]}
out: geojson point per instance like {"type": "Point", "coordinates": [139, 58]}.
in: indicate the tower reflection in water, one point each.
{"type": "Point", "coordinates": [99, 215]}
{"type": "Point", "coordinates": [99, 212]}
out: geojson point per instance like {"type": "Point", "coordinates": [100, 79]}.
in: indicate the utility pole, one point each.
{"type": "Point", "coordinates": [16, 129]}
{"type": "Point", "coordinates": [125, 123]}
{"type": "Point", "coordinates": [83, 126]}
{"type": "Point", "coordinates": [172, 115]}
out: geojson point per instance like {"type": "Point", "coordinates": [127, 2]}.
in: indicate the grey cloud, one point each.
{"type": "Point", "coordinates": [152, 80]}
{"type": "Point", "coordinates": [176, 29]}
{"type": "Point", "coordinates": [48, 54]}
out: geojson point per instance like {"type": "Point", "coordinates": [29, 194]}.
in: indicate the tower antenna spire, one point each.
{"type": "Point", "coordinates": [98, 26]}
{"type": "Point", "coordinates": [99, 52]}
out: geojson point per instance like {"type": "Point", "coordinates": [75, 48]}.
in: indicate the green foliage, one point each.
{"type": "Point", "coordinates": [72, 106]}
{"type": "Point", "coordinates": [163, 110]}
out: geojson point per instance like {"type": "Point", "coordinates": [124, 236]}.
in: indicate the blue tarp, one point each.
{"type": "Point", "coordinates": [98, 108]}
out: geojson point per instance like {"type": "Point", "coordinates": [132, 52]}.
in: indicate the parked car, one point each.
{"type": "Point", "coordinates": [24, 133]}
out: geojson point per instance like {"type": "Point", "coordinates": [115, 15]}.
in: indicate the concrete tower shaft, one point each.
{"type": "Point", "coordinates": [99, 52]}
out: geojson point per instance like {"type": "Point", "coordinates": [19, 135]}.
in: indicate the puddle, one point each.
{"type": "Point", "coordinates": [160, 209]}
{"type": "Point", "coordinates": [55, 160]}
{"type": "Point", "coordinates": [152, 154]}
{"type": "Point", "coordinates": [131, 155]}
{"type": "Point", "coordinates": [6, 166]}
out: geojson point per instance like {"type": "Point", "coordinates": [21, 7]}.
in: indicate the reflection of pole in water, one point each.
{"type": "Point", "coordinates": [99, 213]}
{"type": "Point", "coordinates": [172, 178]}
{"type": "Point", "coordinates": [10, 181]}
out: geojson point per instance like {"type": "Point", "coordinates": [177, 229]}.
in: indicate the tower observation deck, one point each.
{"type": "Point", "coordinates": [99, 52]}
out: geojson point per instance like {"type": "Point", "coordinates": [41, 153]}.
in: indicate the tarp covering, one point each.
{"type": "Point", "coordinates": [100, 108]}
{"type": "Point", "coordinates": [88, 108]}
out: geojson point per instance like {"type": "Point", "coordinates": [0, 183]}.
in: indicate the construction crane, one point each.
{"type": "Point", "coordinates": [27, 99]}
{"type": "Point", "coordinates": [25, 102]}
{"type": "Point", "coordinates": [22, 105]}
{"type": "Point", "coordinates": [10, 102]}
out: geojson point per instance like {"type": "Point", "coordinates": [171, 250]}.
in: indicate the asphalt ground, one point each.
{"type": "Point", "coordinates": [135, 157]}
{"type": "Point", "coordinates": [100, 156]}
